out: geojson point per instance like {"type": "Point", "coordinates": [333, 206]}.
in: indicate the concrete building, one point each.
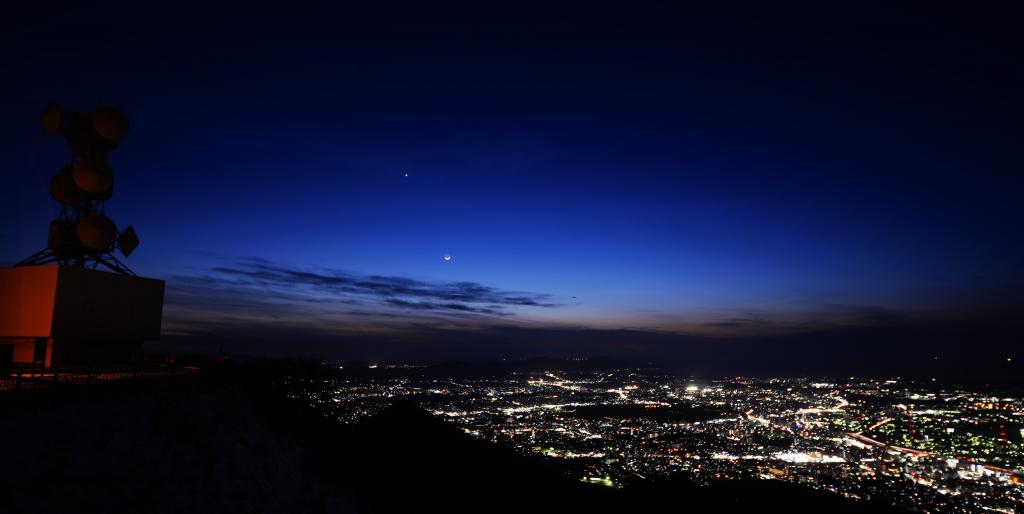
{"type": "Point", "coordinates": [60, 316]}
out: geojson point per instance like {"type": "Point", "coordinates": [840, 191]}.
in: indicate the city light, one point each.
{"type": "Point", "coordinates": [946, 449]}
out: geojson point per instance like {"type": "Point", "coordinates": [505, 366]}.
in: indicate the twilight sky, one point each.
{"type": "Point", "coordinates": [627, 181]}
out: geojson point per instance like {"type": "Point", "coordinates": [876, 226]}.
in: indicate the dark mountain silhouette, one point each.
{"type": "Point", "coordinates": [158, 447]}
{"type": "Point", "coordinates": [229, 444]}
{"type": "Point", "coordinates": [405, 459]}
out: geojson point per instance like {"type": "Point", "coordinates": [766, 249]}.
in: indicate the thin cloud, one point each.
{"type": "Point", "coordinates": [432, 306]}
{"type": "Point", "coordinates": [825, 316]}
{"type": "Point", "coordinates": [256, 291]}
{"type": "Point", "coordinates": [260, 272]}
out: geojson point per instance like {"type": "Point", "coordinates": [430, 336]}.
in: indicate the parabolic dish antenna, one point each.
{"type": "Point", "coordinates": [110, 123]}
{"type": "Point", "coordinates": [51, 119]}
{"type": "Point", "coordinates": [96, 232]}
{"type": "Point", "coordinates": [93, 175]}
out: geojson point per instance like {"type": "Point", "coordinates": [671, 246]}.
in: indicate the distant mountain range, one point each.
{"type": "Point", "coordinates": [468, 369]}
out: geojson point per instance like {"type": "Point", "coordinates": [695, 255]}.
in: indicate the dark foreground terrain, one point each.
{"type": "Point", "coordinates": [231, 444]}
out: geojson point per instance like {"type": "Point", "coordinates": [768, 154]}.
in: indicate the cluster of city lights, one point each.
{"type": "Point", "coordinates": [917, 444]}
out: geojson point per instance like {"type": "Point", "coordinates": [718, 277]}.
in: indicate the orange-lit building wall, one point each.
{"type": "Point", "coordinates": [77, 315]}
{"type": "Point", "coordinates": [27, 297]}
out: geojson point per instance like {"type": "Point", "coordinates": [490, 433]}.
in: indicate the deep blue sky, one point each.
{"type": "Point", "coordinates": [734, 173]}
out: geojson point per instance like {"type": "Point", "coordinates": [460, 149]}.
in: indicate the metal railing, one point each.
{"type": "Point", "coordinates": [29, 377]}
